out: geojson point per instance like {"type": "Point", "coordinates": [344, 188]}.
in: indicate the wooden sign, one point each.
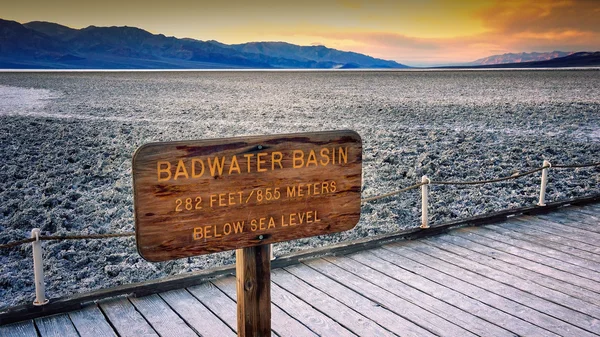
{"type": "Point", "coordinates": [206, 196]}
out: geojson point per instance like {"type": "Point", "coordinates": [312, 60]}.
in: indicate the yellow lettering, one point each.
{"type": "Point", "coordinates": [298, 158]}
{"type": "Point", "coordinates": [278, 160]}
{"type": "Point", "coordinates": [180, 171]}
{"type": "Point", "coordinates": [213, 199]}
{"type": "Point", "coordinates": [333, 188]}
{"type": "Point", "coordinates": [198, 175]}
{"type": "Point", "coordinates": [238, 227]}
{"type": "Point", "coordinates": [234, 165]}
{"type": "Point", "coordinates": [216, 166]}
{"type": "Point", "coordinates": [271, 223]}
{"type": "Point", "coordinates": [207, 232]}
{"type": "Point", "coordinates": [312, 158]}
{"type": "Point", "coordinates": [325, 187]}
{"type": "Point", "coordinates": [259, 161]}
{"type": "Point", "coordinates": [324, 155]}
{"type": "Point", "coordinates": [198, 233]}
{"type": "Point", "coordinates": [227, 229]}
{"type": "Point", "coordinates": [292, 219]}
{"type": "Point", "coordinates": [343, 153]}
{"type": "Point", "coordinates": [166, 170]}
{"type": "Point", "coordinates": [253, 226]}
{"type": "Point", "coordinates": [291, 191]}
{"type": "Point", "coordinates": [248, 157]}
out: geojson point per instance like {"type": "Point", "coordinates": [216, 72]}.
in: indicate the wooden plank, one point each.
{"type": "Point", "coordinates": [55, 326]}
{"type": "Point", "coordinates": [161, 317]}
{"type": "Point", "coordinates": [253, 276]}
{"type": "Point", "coordinates": [509, 279]}
{"type": "Point", "coordinates": [583, 218]}
{"type": "Point", "coordinates": [531, 308]}
{"type": "Point", "coordinates": [217, 302]}
{"type": "Point", "coordinates": [355, 300]}
{"type": "Point", "coordinates": [466, 312]}
{"type": "Point", "coordinates": [537, 228]}
{"type": "Point", "coordinates": [74, 302]}
{"type": "Point", "coordinates": [195, 314]}
{"type": "Point", "coordinates": [581, 222]}
{"type": "Point", "coordinates": [571, 233]}
{"type": "Point", "coordinates": [281, 323]}
{"type": "Point", "coordinates": [309, 316]}
{"type": "Point", "coordinates": [577, 275]}
{"type": "Point", "coordinates": [90, 321]}
{"type": "Point", "coordinates": [127, 321]}
{"type": "Point", "coordinates": [544, 239]}
{"type": "Point", "coordinates": [408, 310]}
{"type": "Point", "coordinates": [520, 267]}
{"type": "Point", "coordinates": [350, 319]}
{"type": "Point", "coordinates": [585, 212]}
{"type": "Point", "coordinates": [206, 196]}
{"type": "Point", "coordinates": [20, 329]}
{"type": "Point", "coordinates": [541, 249]}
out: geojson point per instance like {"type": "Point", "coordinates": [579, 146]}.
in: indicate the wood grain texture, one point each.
{"type": "Point", "coordinates": [56, 326]}
{"type": "Point", "coordinates": [127, 321]}
{"type": "Point", "coordinates": [400, 306]}
{"type": "Point", "coordinates": [253, 279]}
{"type": "Point", "coordinates": [90, 321]}
{"type": "Point", "coordinates": [282, 323]}
{"type": "Point", "coordinates": [530, 308]}
{"type": "Point", "coordinates": [537, 273]}
{"type": "Point", "coordinates": [217, 302]}
{"type": "Point", "coordinates": [511, 280]}
{"type": "Point", "coordinates": [161, 317]}
{"type": "Point", "coordinates": [196, 315]}
{"type": "Point", "coordinates": [20, 329]}
{"type": "Point", "coordinates": [194, 198]}
{"type": "Point", "coordinates": [355, 322]}
{"type": "Point", "coordinates": [438, 299]}
{"type": "Point", "coordinates": [358, 302]}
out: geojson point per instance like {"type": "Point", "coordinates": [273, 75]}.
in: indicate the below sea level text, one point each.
{"type": "Point", "coordinates": [255, 225]}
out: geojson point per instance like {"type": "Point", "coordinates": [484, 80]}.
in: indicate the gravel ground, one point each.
{"type": "Point", "coordinates": [67, 140]}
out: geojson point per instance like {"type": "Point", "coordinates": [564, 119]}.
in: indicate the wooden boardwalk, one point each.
{"type": "Point", "coordinates": [531, 275]}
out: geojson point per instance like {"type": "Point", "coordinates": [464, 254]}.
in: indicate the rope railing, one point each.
{"type": "Point", "coordinates": [36, 239]}
{"type": "Point", "coordinates": [363, 201]}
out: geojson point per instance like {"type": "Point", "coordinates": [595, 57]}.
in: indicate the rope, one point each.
{"type": "Point", "coordinates": [67, 237]}
{"type": "Point", "coordinates": [363, 201]}
{"type": "Point", "coordinates": [515, 176]}
{"type": "Point", "coordinates": [576, 166]}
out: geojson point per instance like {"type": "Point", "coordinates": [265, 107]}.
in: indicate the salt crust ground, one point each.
{"type": "Point", "coordinates": [67, 140]}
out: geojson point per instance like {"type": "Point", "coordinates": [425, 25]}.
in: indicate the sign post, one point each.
{"type": "Point", "coordinates": [207, 196]}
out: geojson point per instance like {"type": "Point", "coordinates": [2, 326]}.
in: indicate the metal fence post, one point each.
{"type": "Point", "coordinates": [424, 201]}
{"type": "Point", "coordinates": [542, 201]}
{"type": "Point", "coordinates": [38, 269]}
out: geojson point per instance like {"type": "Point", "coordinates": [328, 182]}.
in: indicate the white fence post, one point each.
{"type": "Point", "coordinates": [38, 269]}
{"type": "Point", "coordinates": [543, 184]}
{"type": "Point", "coordinates": [424, 201]}
{"type": "Point", "coordinates": [271, 252]}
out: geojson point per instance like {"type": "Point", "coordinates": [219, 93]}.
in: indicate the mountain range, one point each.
{"type": "Point", "coordinates": [519, 58]}
{"type": "Point", "coordinates": [46, 45]}
{"type": "Point", "coordinates": [50, 45]}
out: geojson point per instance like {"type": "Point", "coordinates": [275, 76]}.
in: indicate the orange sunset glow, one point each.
{"type": "Point", "coordinates": [409, 32]}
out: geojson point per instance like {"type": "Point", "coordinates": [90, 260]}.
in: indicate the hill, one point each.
{"type": "Point", "coordinates": [50, 45]}
{"type": "Point", "coordinates": [518, 58]}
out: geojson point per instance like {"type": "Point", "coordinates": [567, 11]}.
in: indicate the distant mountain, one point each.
{"type": "Point", "coordinates": [579, 59]}
{"type": "Point", "coordinates": [519, 58]}
{"type": "Point", "coordinates": [50, 45]}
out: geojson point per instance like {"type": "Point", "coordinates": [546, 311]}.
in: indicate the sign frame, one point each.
{"type": "Point", "coordinates": [279, 187]}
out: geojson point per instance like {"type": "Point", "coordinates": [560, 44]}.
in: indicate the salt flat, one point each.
{"type": "Point", "coordinates": [67, 140]}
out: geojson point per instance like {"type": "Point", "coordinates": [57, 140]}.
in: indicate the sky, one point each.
{"type": "Point", "coordinates": [425, 32]}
